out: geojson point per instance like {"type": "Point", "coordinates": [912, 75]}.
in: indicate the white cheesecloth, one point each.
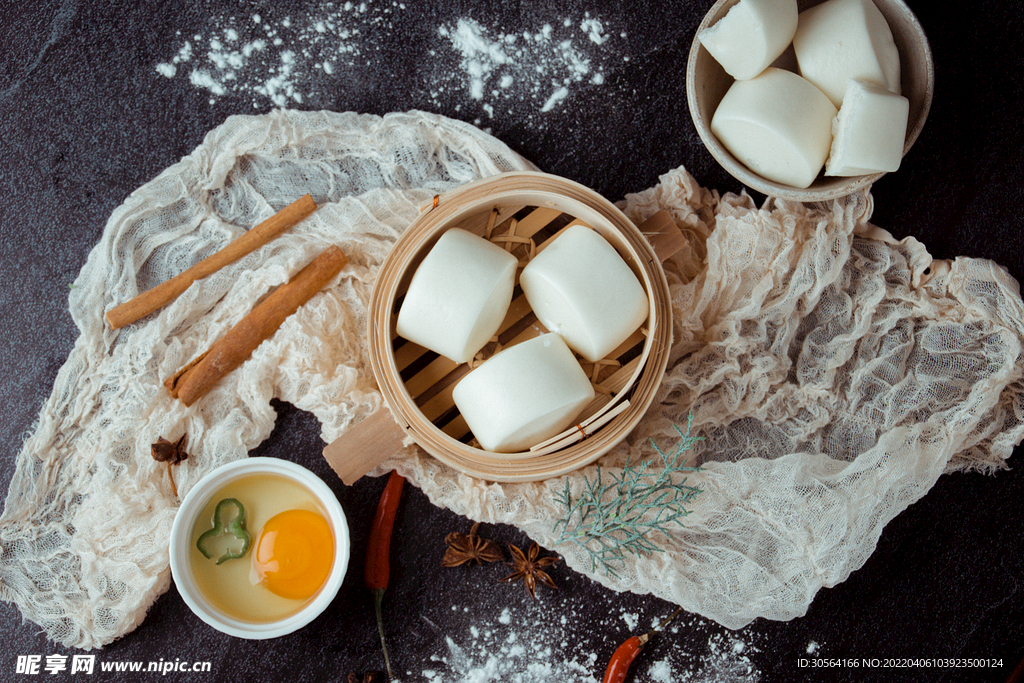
{"type": "Point", "coordinates": [833, 372]}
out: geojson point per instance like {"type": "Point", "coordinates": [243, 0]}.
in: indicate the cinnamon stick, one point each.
{"type": "Point", "coordinates": [253, 239]}
{"type": "Point", "coordinates": [199, 376]}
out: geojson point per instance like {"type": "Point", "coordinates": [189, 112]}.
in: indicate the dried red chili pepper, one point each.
{"type": "Point", "coordinates": [618, 665]}
{"type": "Point", "coordinates": [377, 571]}
{"type": "Point", "coordinates": [622, 658]}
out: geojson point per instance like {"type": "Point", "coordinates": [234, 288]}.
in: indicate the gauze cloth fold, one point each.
{"type": "Point", "coordinates": [833, 372]}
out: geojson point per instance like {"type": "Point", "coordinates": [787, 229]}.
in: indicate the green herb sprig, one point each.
{"type": "Point", "coordinates": [613, 519]}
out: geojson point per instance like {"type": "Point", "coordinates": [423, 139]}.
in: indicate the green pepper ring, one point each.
{"type": "Point", "coordinates": [236, 527]}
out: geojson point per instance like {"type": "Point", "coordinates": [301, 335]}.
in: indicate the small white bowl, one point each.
{"type": "Point", "coordinates": [181, 542]}
{"type": "Point", "coordinates": [707, 83]}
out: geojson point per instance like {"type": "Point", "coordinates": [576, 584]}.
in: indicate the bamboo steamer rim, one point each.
{"type": "Point", "coordinates": [449, 210]}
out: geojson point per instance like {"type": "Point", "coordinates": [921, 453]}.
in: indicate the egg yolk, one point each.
{"type": "Point", "coordinates": [294, 554]}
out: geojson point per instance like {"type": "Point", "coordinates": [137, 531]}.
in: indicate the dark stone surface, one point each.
{"type": "Point", "coordinates": [85, 118]}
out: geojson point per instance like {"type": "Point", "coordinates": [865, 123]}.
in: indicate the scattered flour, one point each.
{"type": "Point", "coordinates": [631, 619]}
{"type": "Point", "coordinates": [473, 69]}
{"type": "Point", "coordinates": [594, 29]}
{"type": "Point", "coordinates": [556, 97]}
{"type": "Point", "coordinates": [537, 67]}
{"type": "Point", "coordinates": [493, 652]}
{"type": "Point", "coordinates": [535, 643]}
{"type": "Point", "coordinates": [812, 647]}
{"type": "Point", "coordinates": [661, 672]}
{"type": "Point", "coordinates": [281, 62]}
{"type": "Point", "coordinates": [725, 660]}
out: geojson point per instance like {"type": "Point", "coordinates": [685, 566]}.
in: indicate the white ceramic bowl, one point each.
{"type": "Point", "coordinates": [707, 83]}
{"type": "Point", "coordinates": [181, 542]}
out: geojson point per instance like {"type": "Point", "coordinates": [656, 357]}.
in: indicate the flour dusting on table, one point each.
{"type": "Point", "coordinates": [537, 68]}
{"type": "Point", "coordinates": [312, 60]}
{"type": "Point", "coordinates": [538, 642]}
{"type": "Point", "coordinates": [280, 62]}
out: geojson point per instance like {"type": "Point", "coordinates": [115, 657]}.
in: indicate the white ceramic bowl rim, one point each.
{"type": "Point", "coordinates": [181, 541]}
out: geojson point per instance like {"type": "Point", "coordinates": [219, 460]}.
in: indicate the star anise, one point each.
{"type": "Point", "coordinates": [167, 451]}
{"type": "Point", "coordinates": [530, 568]}
{"type": "Point", "coordinates": [469, 548]}
{"type": "Point", "coordinates": [171, 453]}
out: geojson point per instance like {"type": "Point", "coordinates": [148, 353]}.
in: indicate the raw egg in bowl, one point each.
{"type": "Point", "coordinates": [259, 548]}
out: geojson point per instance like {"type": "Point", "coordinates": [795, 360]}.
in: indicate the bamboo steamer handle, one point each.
{"type": "Point", "coordinates": [379, 436]}
{"type": "Point", "coordinates": [365, 446]}
{"type": "Point", "coordinates": [664, 235]}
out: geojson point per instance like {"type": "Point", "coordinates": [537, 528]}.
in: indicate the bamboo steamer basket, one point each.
{"type": "Point", "coordinates": [522, 212]}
